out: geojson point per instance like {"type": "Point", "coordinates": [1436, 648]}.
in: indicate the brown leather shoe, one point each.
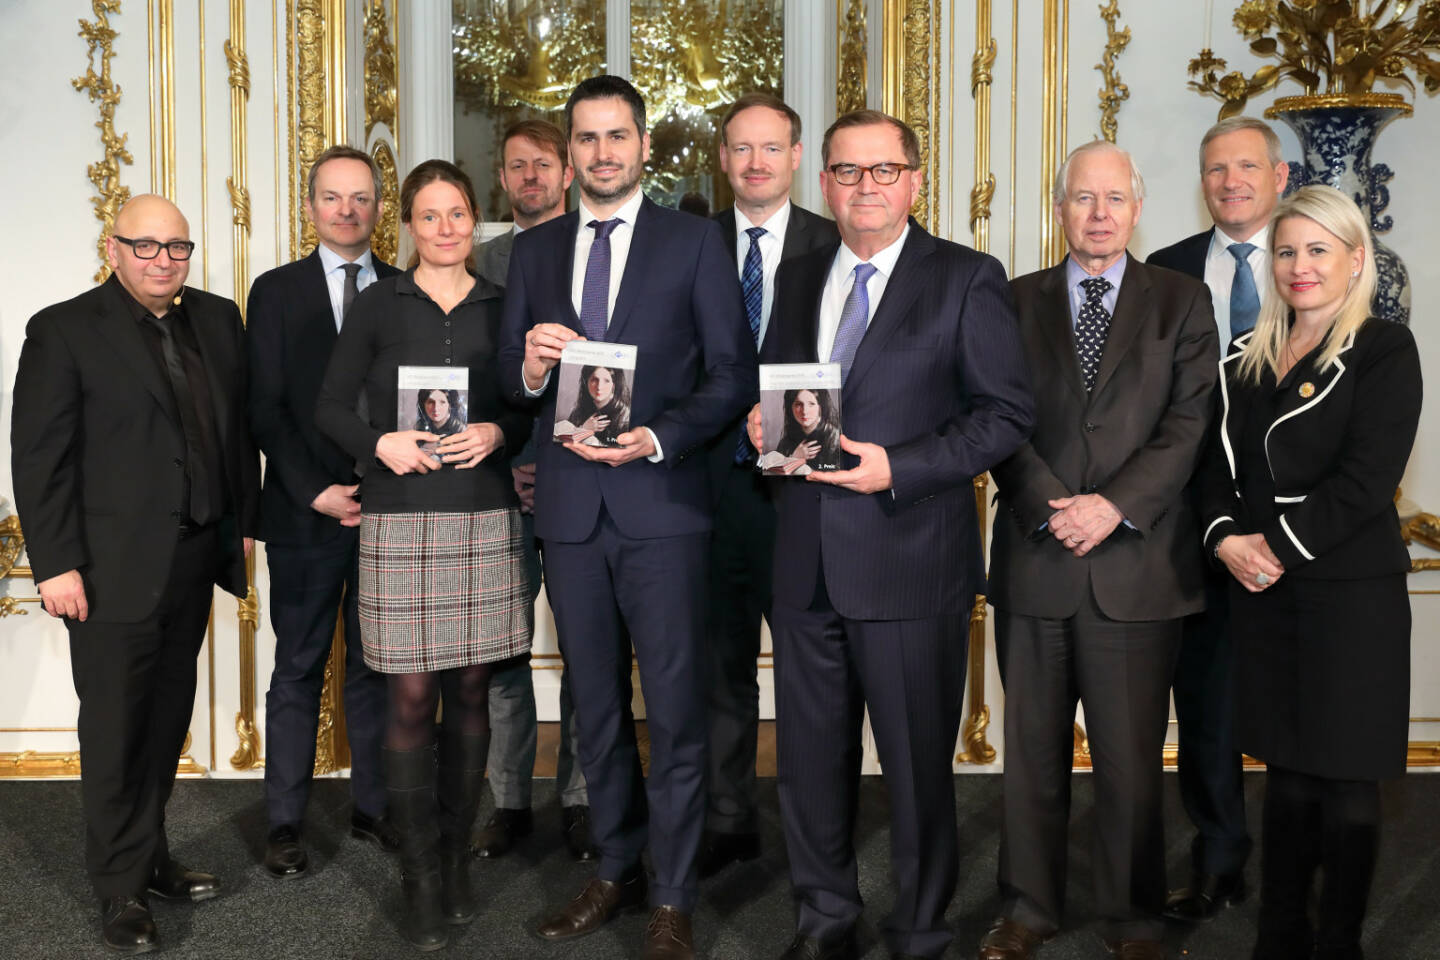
{"type": "Point", "coordinates": [1009, 940]}
{"type": "Point", "coordinates": [593, 908]}
{"type": "Point", "coordinates": [1136, 949]}
{"type": "Point", "coordinates": [667, 936]}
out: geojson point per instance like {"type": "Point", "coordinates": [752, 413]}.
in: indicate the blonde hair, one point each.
{"type": "Point", "coordinates": [1337, 213]}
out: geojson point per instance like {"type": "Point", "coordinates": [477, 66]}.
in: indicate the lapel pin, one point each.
{"type": "Point", "coordinates": [1307, 390]}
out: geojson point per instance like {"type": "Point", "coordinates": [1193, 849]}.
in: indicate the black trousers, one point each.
{"type": "Point", "coordinates": [1210, 764]}
{"type": "Point", "coordinates": [741, 551]}
{"type": "Point", "coordinates": [911, 676]}
{"type": "Point", "coordinates": [310, 586]}
{"type": "Point", "coordinates": [136, 684]}
{"type": "Point", "coordinates": [1121, 673]}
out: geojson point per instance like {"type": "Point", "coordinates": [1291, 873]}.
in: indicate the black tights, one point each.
{"type": "Point", "coordinates": [410, 720]}
{"type": "Point", "coordinates": [1315, 823]}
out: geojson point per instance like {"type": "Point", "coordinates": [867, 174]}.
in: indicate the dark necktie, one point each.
{"type": "Point", "coordinates": [1244, 298]}
{"type": "Point", "coordinates": [352, 288]}
{"type": "Point", "coordinates": [202, 511]}
{"type": "Point", "coordinates": [1091, 328]}
{"type": "Point", "coordinates": [595, 295]}
{"type": "Point", "coordinates": [752, 286]}
{"type": "Point", "coordinates": [854, 317]}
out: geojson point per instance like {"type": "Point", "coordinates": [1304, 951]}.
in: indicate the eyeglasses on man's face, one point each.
{"type": "Point", "coordinates": [849, 174]}
{"type": "Point", "coordinates": [147, 249]}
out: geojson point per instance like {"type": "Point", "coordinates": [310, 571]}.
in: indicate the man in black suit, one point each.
{"type": "Point", "coordinates": [1095, 558]}
{"type": "Point", "coordinates": [877, 565]}
{"type": "Point", "coordinates": [535, 174]}
{"type": "Point", "coordinates": [626, 527]}
{"type": "Point", "coordinates": [309, 513]}
{"type": "Point", "coordinates": [136, 480]}
{"type": "Point", "coordinates": [759, 152]}
{"type": "Point", "coordinates": [1242, 177]}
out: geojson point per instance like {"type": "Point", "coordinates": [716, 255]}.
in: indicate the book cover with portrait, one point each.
{"type": "Point", "coordinates": [800, 418]}
{"type": "Point", "coordinates": [592, 394]}
{"type": "Point", "coordinates": [432, 399]}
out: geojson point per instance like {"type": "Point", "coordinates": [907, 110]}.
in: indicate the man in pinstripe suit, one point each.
{"type": "Point", "coordinates": [876, 570]}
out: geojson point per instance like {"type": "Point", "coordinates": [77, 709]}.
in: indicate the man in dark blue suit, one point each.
{"type": "Point", "coordinates": [309, 514]}
{"type": "Point", "coordinates": [626, 527]}
{"type": "Point", "coordinates": [1242, 177]}
{"type": "Point", "coordinates": [877, 570]}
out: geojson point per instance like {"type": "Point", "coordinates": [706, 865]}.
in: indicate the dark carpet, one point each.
{"type": "Point", "coordinates": [344, 907]}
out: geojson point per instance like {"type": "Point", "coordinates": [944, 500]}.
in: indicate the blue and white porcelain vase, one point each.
{"type": "Point", "coordinates": [1337, 133]}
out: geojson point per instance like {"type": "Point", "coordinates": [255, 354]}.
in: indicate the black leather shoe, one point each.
{"type": "Point", "coordinates": [1206, 896]}
{"type": "Point", "coordinates": [1009, 940]}
{"type": "Point", "coordinates": [668, 936]}
{"type": "Point", "coordinates": [719, 850]}
{"type": "Point", "coordinates": [593, 907]}
{"type": "Point", "coordinates": [285, 856]}
{"type": "Point", "coordinates": [500, 832]}
{"type": "Point", "coordinates": [576, 822]}
{"type": "Point", "coordinates": [813, 948]}
{"type": "Point", "coordinates": [377, 830]}
{"type": "Point", "coordinates": [174, 882]}
{"type": "Point", "coordinates": [126, 925]}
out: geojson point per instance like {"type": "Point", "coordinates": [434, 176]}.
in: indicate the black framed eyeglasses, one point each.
{"type": "Point", "coordinates": [849, 174]}
{"type": "Point", "coordinates": [147, 249]}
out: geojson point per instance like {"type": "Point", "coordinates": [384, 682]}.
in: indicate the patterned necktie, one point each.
{"type": "Point", "coordinates": [1091, 328]}
{"type": "Point", "coordinates": [853, 318]}
{"type": "Point", "coordinates": [1244, 298]}
{"type": "Point", "coordinates": [200, 509]}
{"type": "Point", "coordinates": [595, 295]}
{"type": "Point", "coordinates": [352, 289]}
{"type": "Point", "coordinates": [752, 286]}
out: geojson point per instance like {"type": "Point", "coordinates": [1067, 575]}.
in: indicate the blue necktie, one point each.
{"type": "Point", "coordinates": [1244, 298]}
{"type": "Point", "coordinates": [1092, 326]}
{"type": "Point", "coordinates": [595, 295]}
{"type": "Point", "coordinates": [853, 318]}
{"type": "Point", "coordinates": [752, 287]}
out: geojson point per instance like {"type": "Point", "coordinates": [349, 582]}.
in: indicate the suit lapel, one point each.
{"type": "Point", "coordinates": [900, 292]}
{"type": "Point", "coordinates": [726, 219]}
{"type": "Point", "coordinates": [1057, 329]}
{"type": "Point", "coordinates": [119, 329]}
{"type": "Point", "coordinates": [210, 335]}
{"type": "Point", "coordinates": [315, 306]}
{"type": "Point", "coordinates": [1130, 311]}
{"type": "Point", "coordinates": [796, 241]}
{"type": "Point", "coordinates": [645, 248]}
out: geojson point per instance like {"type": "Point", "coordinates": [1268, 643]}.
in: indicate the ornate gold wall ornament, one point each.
{"type": "Point", "coordinates": [381, 86]}
{"type": "Point", "coordinates": [982, 77]}
{"type": "Point", "coordinates": [852, 76]}
{"type": "Point", "coordinates": [1052, 124]}
{"type": "Point", "coordinates": [31, 764]}
{"type": "Point", "coordinates": [307, 128]}
{"type": "Point", "coordinates": [912, 89]}
{"type": "Point", "coordinates": [505, 60]}
{"type": "Point", "coordinates": [1114, 92]}
{"type": "Point", "coordinates": [162, 92]}
{"type": "Point", "coordinates": [105, 173]}
{"type": "Point", "coordinates": [386, 240]}
{"type": "Point", "coordinates": [247, 755]}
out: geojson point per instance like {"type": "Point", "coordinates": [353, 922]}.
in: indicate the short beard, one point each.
{"type": "Point", "coordinates": [622, 188]}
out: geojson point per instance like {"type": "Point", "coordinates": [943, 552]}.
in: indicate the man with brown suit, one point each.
{"type": "Point", "coordinates": [1096, 557]}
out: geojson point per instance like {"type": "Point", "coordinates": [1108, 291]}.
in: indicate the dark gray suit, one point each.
{"type": "Point", "coordinates": [512, 687]}
{"type": "Point", "coordinates": [1102, 629]}
{"type": "Point", "coordinates": [740, 554]}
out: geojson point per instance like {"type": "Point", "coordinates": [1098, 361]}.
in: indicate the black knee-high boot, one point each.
{"type": "Point", "coordinates": [462, 779]}
{"type": "Point", "coordinates": [1289, 854]}
{"type": "Point", "coordinates": [410, 788]}
{"type": "Point", "coordinates": [1350, 842]}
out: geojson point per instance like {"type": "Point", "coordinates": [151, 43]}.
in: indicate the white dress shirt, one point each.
{"type": "Point", "coordinates": [1220, 275]}
{"type": "Point", "coordinates": [772, 242]}
{"type": "Point", "coordinates": [840, 282]}
{"type": "Point", "coordinates": [335, 277]}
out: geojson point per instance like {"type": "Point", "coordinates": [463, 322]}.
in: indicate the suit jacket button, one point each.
{"type": "Point", "coordinates": [1090, 427]}
{"type": "Point", "coordinates": [179, 462]}
{"type": "Point", "coordinates": [176, 516]}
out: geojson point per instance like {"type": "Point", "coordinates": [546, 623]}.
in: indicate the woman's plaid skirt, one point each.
{"type": "Point", "coordinates": [442, 590]}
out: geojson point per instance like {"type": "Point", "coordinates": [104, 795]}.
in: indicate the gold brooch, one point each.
{"type": "Point", "coordinates": [1307, 390]}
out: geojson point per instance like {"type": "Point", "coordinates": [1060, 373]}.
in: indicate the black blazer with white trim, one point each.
{"type": "Point", "coordinates": [1337, 449]}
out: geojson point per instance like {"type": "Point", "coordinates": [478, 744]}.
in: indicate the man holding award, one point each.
{"type": "Point", "coordinates": [626, 525]}
{"type": "Point", "coordinates": [882, 562]}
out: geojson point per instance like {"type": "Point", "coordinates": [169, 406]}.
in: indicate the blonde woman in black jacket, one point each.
{"type": "Point", "coordinates": [1318, 412]}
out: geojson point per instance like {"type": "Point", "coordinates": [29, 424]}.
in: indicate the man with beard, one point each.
{"type": "Point", "coordinates": [759, 151]}
{"type": "Point", "coordinates": [626, 527]}
{"type": "Point", "coordinates": [535, 174]}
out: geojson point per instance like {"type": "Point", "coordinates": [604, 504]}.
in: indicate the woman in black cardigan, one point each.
{"type": "Point", "coordinates": [443, 591]}
{"type": "Point", "coordinates": [1319, 408]}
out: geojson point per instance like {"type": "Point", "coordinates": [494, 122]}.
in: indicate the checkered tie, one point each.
{"type": "Point", "coordinates": [853, 318]}
{"type": "Point", "coordinates": [752, 286]}
{"type": "Point", "coordinates": [1091, 328]}
{"type": "Point", "coordinates": [1244, 298]}
{"type": "Point", "coordinates": [595, 295]}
